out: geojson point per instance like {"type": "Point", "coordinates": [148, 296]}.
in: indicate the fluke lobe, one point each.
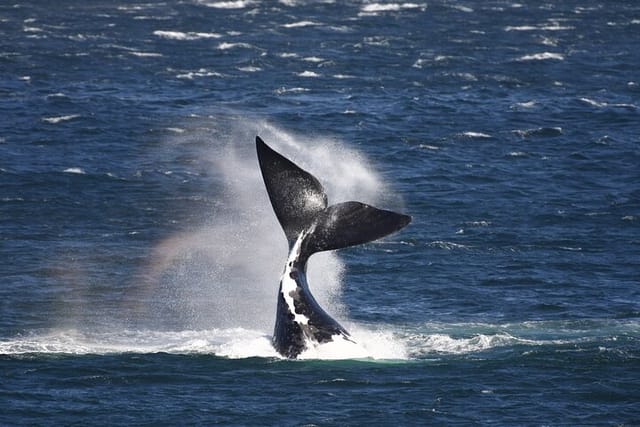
{"type": "Point", "coordinates": [311, 226]}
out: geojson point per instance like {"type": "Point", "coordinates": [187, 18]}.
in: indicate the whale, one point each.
{"type": "Point", "coordinates": [310, 226]}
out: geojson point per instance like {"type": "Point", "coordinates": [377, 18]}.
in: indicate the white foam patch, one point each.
{"type": "Point", "coordinates": [301, 24]}
{"type": "Point", "coordinates": [476, 135]}
{"type": "Point", "coordinates": [179, 35]}
{"type": "Point", "coordinates": [442, 343]}
{"type": "Point", "coordinates": [249, 69]}
{"type": "Point", "coordinates": [202, 72]}
{"type": "Point", "coordinates": [308, 74]}
{"type": "Point", "coordinates": [374, 8]}
{"type": "Point", "coordinates": [543, 27]}
{"type": "Point", "coordinates": [235, 343]}
{"type": "Point", "coordinates": [542, 57]}
{"type": "Point", "coordinates": [238, 4]}
{"type": "Point", "coordinates": [364, 344]}
{"type": "Point", "coordinates": [367, 342]}
{"type": "Point", "coordinates": [59, 119]}
{"type": "Point", "coordinates": [78, 171]}
{"type": "Point", "coordinates": [228, 45]}
{"type": "Point", "coordinates": [146, 54]}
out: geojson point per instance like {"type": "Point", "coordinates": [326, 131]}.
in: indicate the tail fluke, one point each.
{"type": "Point", "coordinates": [297, 196]}
{"type": "Point", "coordinates": [300, 204]}
{"type": "Point", "coordinates": [352, 223]}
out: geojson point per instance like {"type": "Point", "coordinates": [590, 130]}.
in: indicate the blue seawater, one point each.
{"type": "Point", "coordinates": [140, 258]}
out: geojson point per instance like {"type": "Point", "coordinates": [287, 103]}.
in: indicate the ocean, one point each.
{"type": "Point", "coordinates": [140, 256]}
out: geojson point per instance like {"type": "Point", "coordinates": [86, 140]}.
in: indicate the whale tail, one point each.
{"type": "Point", "coordinates": [300, 204]}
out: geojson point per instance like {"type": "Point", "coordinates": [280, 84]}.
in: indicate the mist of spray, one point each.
{"type": "Point", "coordinates": [225, 273]}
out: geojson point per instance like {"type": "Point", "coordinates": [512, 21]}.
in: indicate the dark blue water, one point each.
{"type": "Point", "coordinates": [139, 256]}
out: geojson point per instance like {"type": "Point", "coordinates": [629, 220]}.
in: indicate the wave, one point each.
{"type": "Point", "coordinates": [249, 69]}
{"type": "Point", "coordinates": [202, 72]}
{"type": "Point", "coordinates": [440, 244]}
{"type": "Point", "coordinates": [300, 24]}
{"type": "Point", "coordinates": [308, 74]}
{"type": "Point", "coordinates": [59, 119]}
{"type": "Point", "coordinates": [228, 45]}
{"type": "Point", "coordinates": [78, 171]}
{"type": "Point", "coordinates": [146, 54]}
{"type": "Point", "coordinates": [376, 8]}
{"type": "Point", "coordinates": [600, 104]}
{"type": "Point", "coordinates": [232, 343]}
{"type": "Point", "coordinates": [541, 57]}
{"type": "Point", "coordinates": [539, 132]}
{"type": "Point", "coordinates": [382, 343]}
{"type": "Point", "coordinates": [545, 27]}
{"type": "Point", "coordinates": [179, 35]}
{"type": "Point", "coordinates": [237, 4]}
{"type": "Point", "coordinates": [476, 135]}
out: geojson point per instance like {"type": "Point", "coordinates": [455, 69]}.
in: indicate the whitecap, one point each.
{"type": "Point", "coordinates": [227, 45]}
{"type": "Point", "coordinates": [58, 119]}
{"type": "Point", "coordinates": [544, 131]}
{"type": "Point", "coordinates": [283, 90]}
{"type": "Point", "coordinates": [146, 54]}
{"type": "Point", "coordinates": [593, 103]}
{"type": "Point", "coordinates": [476, 135]}
{"type": "Point", "coordinates": [308, 74]}
{"type": "Point", "coordinates": [202, 72]}
{"type": "Point", "coordinates": [443, 343]}
{"type": "Point", "coordinates": [152, 18]}
{"type": "Point", "coordinates": [552, 27]}
{"type": "Point", "coordinates": [238, 4]}
{"type": "Point", "coordinates": [76, 170]}
{"type": "Point", "coordinates": [130, 8]}
{"type": "Point", "coordinates": [301, 24]}
{"type": "Point", "coordinates": [56, 95]}
{"type": "Point", "coordinates": [419, 63]}
{"type": "Point", "coordinates": [312, 59]}
{"type": "Point", "coordinates": [461, 8]}
{"type": "Point", "coordinates": [374, 8]}
{"type": "Point", "coordinates": [233, 343]}
{"type": "Point", "coordinates": [179, 35]}
{"type": "Point", "coordinates": [464, 76]}
{"type": "Point", "coordinates": [606, 104]}
{"type": "Point", "coordinates": [363, 344]}
{"type": "Point", "coordinates": [377, 41]}
{"type": "Point", "coordinates": [447, 245]}
{"type": "Point", "coordinates": [343, 76]}
{"type": "Point", "coordinates": [249, 69]}
{"type": "Point", "coordinates": [527, 104]}
{"type": "Point", "coordinates": [518, 154]}
{"type": "Point", "coordinates": [32, 29]}
{"type": "Point", "coordinates": [542, 56]}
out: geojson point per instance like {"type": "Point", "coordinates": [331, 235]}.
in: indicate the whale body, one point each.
{"type": "Point", "coordinates": [311, 225]}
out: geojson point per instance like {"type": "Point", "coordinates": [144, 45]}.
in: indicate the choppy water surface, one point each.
{"type": "Point", "coordinates": [140, 257]}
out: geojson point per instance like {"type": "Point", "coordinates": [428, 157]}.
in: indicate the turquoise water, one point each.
{"type": "Point", "coordinates": [140, 257]}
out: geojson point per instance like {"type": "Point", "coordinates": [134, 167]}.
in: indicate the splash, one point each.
{"type": "Point", "coordinates": [213, 287]}
{"type": "Point", "coordinates": [225, 273]}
